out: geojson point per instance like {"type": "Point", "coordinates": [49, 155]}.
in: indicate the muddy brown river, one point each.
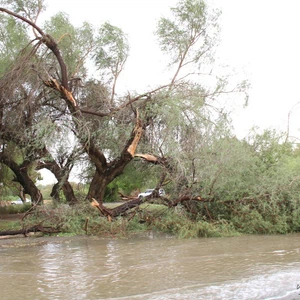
{"type": "Point", "coordinates": [151, 267]}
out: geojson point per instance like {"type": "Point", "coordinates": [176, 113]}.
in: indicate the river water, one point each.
{"type": "Point", "coordinates": [152, 267]}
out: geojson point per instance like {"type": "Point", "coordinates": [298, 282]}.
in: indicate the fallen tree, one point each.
{"type": "Point", "coordinates": [111, 213]}
{"type": "Point", "coordinates": [133, 202]}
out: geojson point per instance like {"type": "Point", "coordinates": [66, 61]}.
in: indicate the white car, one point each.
{"type": "Point", "coordinates": [148, 192]}
{"type": "Point", "coordinates": [19, 201]}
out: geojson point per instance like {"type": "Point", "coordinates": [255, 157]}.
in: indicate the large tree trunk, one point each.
{"type": "Point", "coordinates": [97, 187]}
{"type": "Point", "coordinates": [106, 173]}
{"type": "Point", "coordinates": [21, 173]}
{"type": "Point", "coordinates": [32, 190]}
{"type": "Point", "coordinates": [61, 175]}
{"type": "Point", "coordinates": [67, 190]}
{"type": "Point", "coordinates": [117, 211]}
{"type": "Point", "coordinates": [69, 193]}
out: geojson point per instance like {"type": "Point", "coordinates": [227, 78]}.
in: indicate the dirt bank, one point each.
{"type": "Point", "coordinates": [11, 217]}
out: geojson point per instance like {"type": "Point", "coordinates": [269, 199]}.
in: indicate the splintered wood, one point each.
{"type": "Point", "coordinates": [53, 83]}
{"type": "Point", "coordinates": [103, 210]}
{"type": "Point", "coordinates": [148, 157]}
{"type": "Point", "coordinates": [138, 131]}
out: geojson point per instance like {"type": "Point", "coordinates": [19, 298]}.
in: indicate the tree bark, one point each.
{"type": "Point", "coordinates": [117, 211]}
{"type": "Point", "coordinates": [97, 187]}
{"type": "Point", "coordinates": [21, 173]}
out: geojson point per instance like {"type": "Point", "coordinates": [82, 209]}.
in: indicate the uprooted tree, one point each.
{"type": "Point", "coordinates": [64, 116]}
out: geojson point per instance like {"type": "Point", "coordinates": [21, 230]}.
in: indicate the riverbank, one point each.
{"type": "Point", "coordinates": [84, 219]}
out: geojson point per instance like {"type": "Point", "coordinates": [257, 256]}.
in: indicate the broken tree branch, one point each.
{"type": "Point", "coordinates": [25, 231]}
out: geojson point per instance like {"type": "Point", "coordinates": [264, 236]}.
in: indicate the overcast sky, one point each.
{"type": "Point", "coordinates": [259, 39]}
{"type": "Point", "coordinates": [263, 36]}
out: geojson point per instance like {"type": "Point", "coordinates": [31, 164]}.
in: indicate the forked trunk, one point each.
{"type": "Point", "coordinates": [21, 174]}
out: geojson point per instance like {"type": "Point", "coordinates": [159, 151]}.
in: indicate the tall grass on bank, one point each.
{"type": "Point", "coordinates": [181, 225]}
{"type": "Point", "coordinates": [84, 219]}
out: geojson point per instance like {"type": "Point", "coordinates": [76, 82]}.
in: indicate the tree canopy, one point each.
{"type": "Point", "coordinates": [55, 115]}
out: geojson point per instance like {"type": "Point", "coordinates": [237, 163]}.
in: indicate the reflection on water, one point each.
{"type": "Point", "coordinates": [153, 267]}
{"type": "Point", "coordinates": [63, 271]}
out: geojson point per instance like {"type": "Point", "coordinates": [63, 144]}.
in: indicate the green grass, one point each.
{"type": "Point", "coordinates": [14, 209]}
{"type": "Point", "coordinates": [9, 224]}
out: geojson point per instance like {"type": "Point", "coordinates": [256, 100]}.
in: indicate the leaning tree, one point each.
{"type": "Point", "coordinates": [27, 116]}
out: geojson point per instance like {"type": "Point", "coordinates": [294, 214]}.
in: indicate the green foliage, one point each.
{"type": "Point", "coordinates": [133, 180]}
{"type": "Point", "coordinates": [111, 192]}
{"type": "Point", "coordinates": [13, 38]}
{"type": "Point", "coordinates": [269, 147]}
{"type": "Point", "coordinates": [253, 222]}
{"type": "Point", "coordinates": [67, 219]}
{"type": "Point", "coordinates": [75, 43]}
{"type": "Point", "coordinates": [169, 221]}
{"type": "Point", "coordinates": [192, 24]}
{"type": "Point", "coordinates": [28, 8]}
{"type": "Point", "coordinates": [45, 190]}
{"type": "Point", "coordinates": [112, 48]}
{"type": "Point", "coordinates": [293, 220]}
{"type": "Point", "coordinates": [253, 185]}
